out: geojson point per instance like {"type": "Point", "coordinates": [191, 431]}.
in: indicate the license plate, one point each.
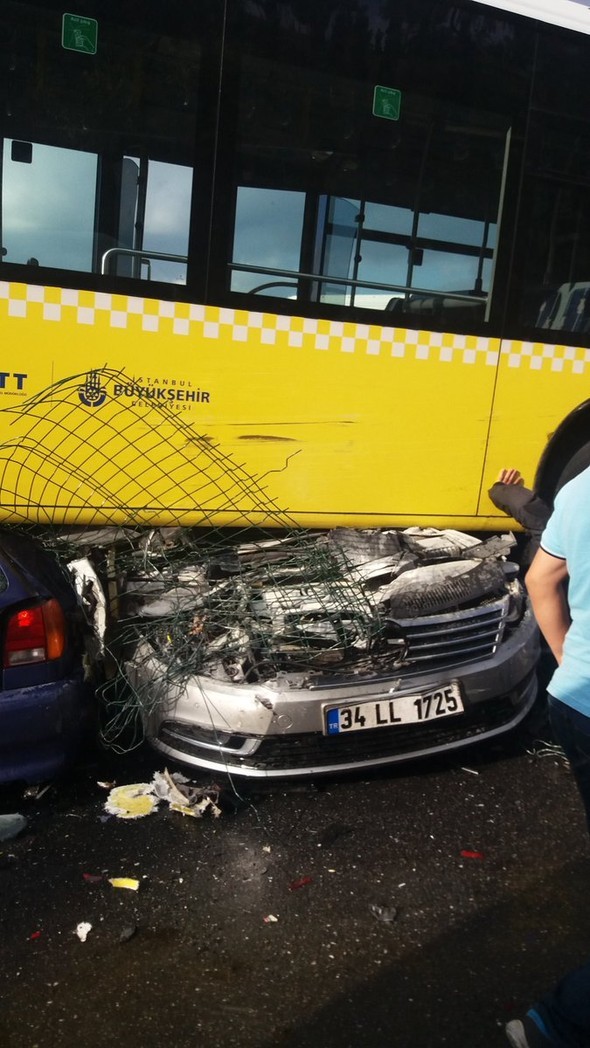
{"type": "Point", "coordinates": [386, 712]}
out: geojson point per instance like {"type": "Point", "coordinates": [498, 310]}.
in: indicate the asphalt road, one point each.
{"type": "Point", "coordinates": [473, 941]}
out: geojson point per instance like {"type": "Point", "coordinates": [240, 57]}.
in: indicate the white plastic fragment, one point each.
{"type": "Point", "coordinates": [82, 930]}
{"type": "Point", "coordinates": [11, 825]}
{"type": "Point", "coordinates": [166, 787]}
{"type": "Point", "coordinates": [88, 587]}
{"type": "Point", "coordinates": [182, 796]}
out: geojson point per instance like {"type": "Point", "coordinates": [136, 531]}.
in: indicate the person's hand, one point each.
{"type": "Point", "coordinates": [510, 476]}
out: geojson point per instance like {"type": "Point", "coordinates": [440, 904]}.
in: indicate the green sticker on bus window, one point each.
{"type": "Point", "coordinates": [387, 102]}
{"type": "Point", "coordinates": [79, 34]}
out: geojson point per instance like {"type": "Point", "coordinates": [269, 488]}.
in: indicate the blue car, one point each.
{"type": "Point", "coordinates": [47, 703]}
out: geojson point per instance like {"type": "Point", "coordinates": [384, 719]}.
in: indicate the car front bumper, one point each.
{"type": "Point", "coordinates": [275, 730]}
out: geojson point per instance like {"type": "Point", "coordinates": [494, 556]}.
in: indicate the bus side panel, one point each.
{"type": "Point", "coordinates": [135, 410]}
{"type": "Point", "coordinates": [539, 384]}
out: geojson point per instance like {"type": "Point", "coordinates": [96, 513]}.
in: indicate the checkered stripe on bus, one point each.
{"type": "Point", "coordinates": [540, 356]}
{"type": "Point", "coordinates": [268, 329]}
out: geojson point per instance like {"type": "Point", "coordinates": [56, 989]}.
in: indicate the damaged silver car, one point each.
{"type": "Point", "coordinates": [319, 653]}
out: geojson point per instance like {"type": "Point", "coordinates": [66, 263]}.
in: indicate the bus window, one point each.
{"type": "Point", "coordinates": [259, 212]}
{"type": "Point", "coordinates": [403, 212]}
{"type": "Point", "coordinates": [552, 285]}
{"type": "Point", "coordinates": [337, 245]}
{"type": "Point", "coordinates": [167, 218]}
{"type": "Point", "coordinates": [154, 222]}
{"type": "Point", "coordinates": [53, 190]}
{"type": "Point", "coordinates": [551, 274]}
{"type": "Point", "coordinates": [443, 245]}
{"type": "Point", "coordinates": [107, 185]}
{"type": "Point", "coordinates": [56, 192]}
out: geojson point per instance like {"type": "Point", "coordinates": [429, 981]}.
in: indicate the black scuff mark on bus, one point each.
{"type": "Point", "coordinates": [265, 438]}
{"type": "Point", "coordinates": [304, 422]}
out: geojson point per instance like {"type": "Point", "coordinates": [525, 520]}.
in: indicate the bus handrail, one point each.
{"type": "Point", "coordinates": [324, 278]}
{"type": "Point", "coordinates": [294, 275]}
{"type": "Point", "coordinates": [129, 252]}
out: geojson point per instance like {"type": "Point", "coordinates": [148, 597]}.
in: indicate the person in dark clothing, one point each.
{"type": "Point", "coordinates": [511, 496]}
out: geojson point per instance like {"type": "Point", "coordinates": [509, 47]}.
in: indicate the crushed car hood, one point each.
{"type": "Point", "coordinates": [307, 604]}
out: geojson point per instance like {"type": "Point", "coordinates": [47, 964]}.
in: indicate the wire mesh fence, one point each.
{"type": "Point", "coordinates": [188, 567]}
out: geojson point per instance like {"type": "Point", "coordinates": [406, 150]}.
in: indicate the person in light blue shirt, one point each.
{"type": "Point", "coordinates": [558, 582]}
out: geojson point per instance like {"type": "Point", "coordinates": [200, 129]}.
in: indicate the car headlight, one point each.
{"type": "Point", "coordinates": [517, 601]}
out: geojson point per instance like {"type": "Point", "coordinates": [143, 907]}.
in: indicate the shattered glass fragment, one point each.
{"type": "Point", "coordinates": [385, 914]}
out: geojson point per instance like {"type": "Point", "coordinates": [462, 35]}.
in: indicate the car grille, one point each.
{"type": "Point", "coordinates": [438, 641]}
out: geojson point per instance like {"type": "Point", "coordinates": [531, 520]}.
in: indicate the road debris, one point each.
{"type": "Point", "coordinates": [125, 882]}
{"type": "Point", "coordinates": [385, 914]}
{"type": "Point", "coordinates": [270, 919]}
{"type": "Point", "coordinates": [133, 801]}
{"type": "Point", "coordinates": [136, 800]}
{"type": "Point", "coordinates": [466, 853]}
{"type": "Point", "coordinates": [128, 933]}
{"type": "Point", "coordinates": [11, 825]}
{"type": "Point", "coordinates": [541, 748]}
{"type": "Point", "coordinates": [82, 930]}
{"type": "Point", "coordinates": [300, 883]}
{"type": "Point", "coordinates": [34, 793]}
{"type": "Point", "coordinates": [334, 832]}
{"type": "Point", "coordinates": [184, 796]}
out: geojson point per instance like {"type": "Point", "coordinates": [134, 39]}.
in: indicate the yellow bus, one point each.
{"type": "Point", "coordinates": [268, 260]}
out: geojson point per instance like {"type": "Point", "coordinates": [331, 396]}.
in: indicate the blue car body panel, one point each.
{"type": "Point", "coordinates": [42, 728]}
{"type": "Point", "coordinates": [46, 708]}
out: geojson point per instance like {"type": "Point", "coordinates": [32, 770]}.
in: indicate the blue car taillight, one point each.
{"type": "Point", "coordinates": [35, 634]}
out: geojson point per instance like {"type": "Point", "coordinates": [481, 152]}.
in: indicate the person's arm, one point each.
{"type": "Point", "coordinates": [545, 581]}
{"type": "Point", "coordinates": [511, 496]}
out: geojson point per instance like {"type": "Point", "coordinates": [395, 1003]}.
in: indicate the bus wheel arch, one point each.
{"type": "Point", "coordinates": [567, 453]}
